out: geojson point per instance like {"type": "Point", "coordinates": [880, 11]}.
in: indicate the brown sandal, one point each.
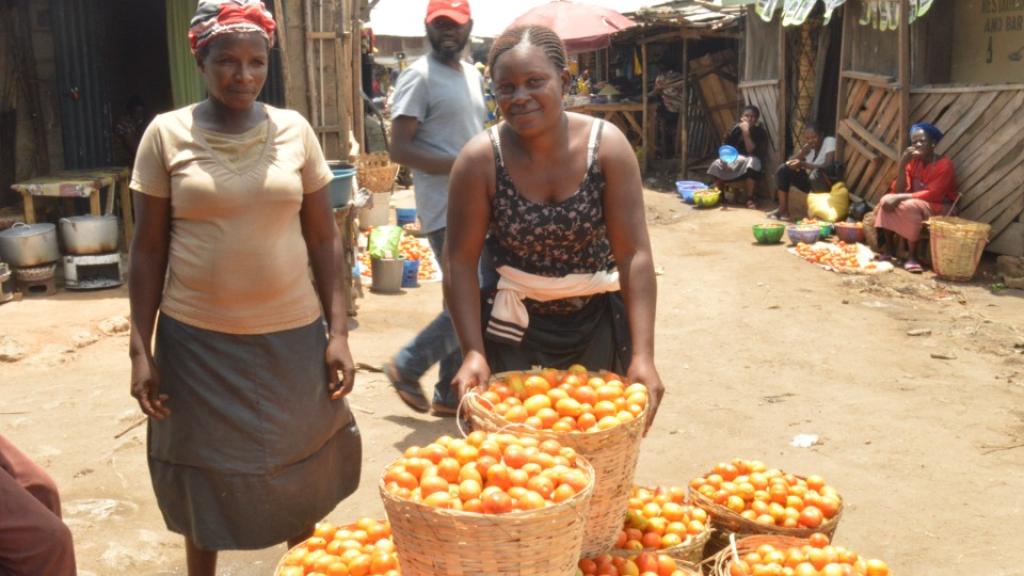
{"type": "Point", "coordinates": [409, 392]}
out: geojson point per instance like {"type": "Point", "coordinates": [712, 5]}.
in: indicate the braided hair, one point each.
{"type": "Point", "coordinates": [540, 36]}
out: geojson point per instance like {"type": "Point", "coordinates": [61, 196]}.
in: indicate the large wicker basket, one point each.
{"type": "Point", "coordinates": [281, 563]}
{"type": "Point", "coordinates": [727, 522]}
{"type": "Point", "coordinates": [691, 551]}
{"type": "Point", "coordinates": [684, 567]}
{"type": "Point", "coordinates": [376, 172]}
{"type": "Point", "coordinates": [718, 565]}
{"type": "Point", "coordinates": [544, 542]}
{"type": "Point", "coordinates": [956, 246]}
{"type": "Point", "coordinates": [613, 453]}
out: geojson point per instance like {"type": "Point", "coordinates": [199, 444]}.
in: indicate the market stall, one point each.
{"type": "Point", "coordinates": [682, 62]}
{"type": "Point", "coordinates": [951, 64]}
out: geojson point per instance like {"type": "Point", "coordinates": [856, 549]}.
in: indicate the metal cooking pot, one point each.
{"type": "Point", "coordinates": [83, 235]}
{"type": "Point", "coordinates": [27, 245]}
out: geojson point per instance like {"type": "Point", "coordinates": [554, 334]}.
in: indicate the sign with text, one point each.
{"type": "Point", "coordinates": [988, 41]}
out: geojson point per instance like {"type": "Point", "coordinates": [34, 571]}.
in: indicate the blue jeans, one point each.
{"type": "Point", "coordinates": [435, 343]}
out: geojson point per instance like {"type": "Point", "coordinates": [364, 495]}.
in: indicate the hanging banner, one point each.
{"type": "Point", "coordinates": [797, 11]}
{"type": "Point", "coordinates": [766, 9]}
{"type": "Point", "coordinates": [881, 14]}
{"type": "Point", "coordinates": [830, 7]}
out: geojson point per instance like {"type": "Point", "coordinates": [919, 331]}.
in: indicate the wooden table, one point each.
{"type": "Point", "coordinates": [628, 116]}
{"type": "Point", "coordinates": [86, 183]}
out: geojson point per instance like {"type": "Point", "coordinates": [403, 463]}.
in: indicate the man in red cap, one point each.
{"type": "Point", "coordinates": [437, 107]}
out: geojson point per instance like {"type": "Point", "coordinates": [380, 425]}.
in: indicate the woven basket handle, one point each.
{"type": "Point", "coordinates": [953, 206]}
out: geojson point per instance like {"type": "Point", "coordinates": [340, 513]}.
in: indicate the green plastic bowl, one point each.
{"type": "Point", "coordinates": [769, 233]}
{"type": "Point", "coordinates": [706, 198]}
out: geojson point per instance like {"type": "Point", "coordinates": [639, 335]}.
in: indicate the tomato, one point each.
{"type": "Point", "coordinates": [810, 517]}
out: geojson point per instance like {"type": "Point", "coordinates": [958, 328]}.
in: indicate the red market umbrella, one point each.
{"type": "Point", "coordinates": [582, 27]}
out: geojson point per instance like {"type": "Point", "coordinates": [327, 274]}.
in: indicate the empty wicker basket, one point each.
{"type": "Point", "coordinates": [376, 172]}
{"type": "Point", "coordinates": [613, 453]}
{"type": "Point", "coordinates": [957, 245]}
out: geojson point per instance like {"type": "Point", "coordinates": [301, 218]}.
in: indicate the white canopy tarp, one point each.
{"type": "Point", "coordinates": [490, 17]}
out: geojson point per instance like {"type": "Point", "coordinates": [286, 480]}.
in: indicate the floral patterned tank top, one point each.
{"type": "Point", "coordinates": [552, 239]}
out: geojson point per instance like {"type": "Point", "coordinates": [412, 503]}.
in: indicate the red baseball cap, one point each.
{"type": "Point", "coordinates": [457, 10]}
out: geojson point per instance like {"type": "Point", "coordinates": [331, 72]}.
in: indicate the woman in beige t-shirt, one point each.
{"type": "Point", "coordinates": [250, 438]}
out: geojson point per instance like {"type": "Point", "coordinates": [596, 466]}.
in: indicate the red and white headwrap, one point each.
{"type": "Point", "coordinates": [216, 17]}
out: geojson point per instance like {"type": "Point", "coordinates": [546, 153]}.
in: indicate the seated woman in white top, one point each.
{"type": "Point", "coordinates": [817, 154]}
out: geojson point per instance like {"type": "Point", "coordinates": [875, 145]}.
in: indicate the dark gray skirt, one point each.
{"type": "Point", "coordinates": [254, 451]}
{"type": "Point", "coordinates": [596, 336]}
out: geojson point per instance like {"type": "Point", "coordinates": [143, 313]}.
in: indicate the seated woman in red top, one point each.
{"type": "Point", "coordinates": [927, 188]}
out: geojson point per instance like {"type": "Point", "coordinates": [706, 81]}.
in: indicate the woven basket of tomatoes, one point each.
{"type": "Point", "coordinates": [660, 521]}
{"type": "Point", "coordinates": [645, 563]}
{"type": "Point", "coordinates": [813, 556]}
{"type": "Point", "coordinates": [745, 497]}
{"type": "Point", "coordinates": [596, 414]}
{"type": "Point", "coordinates": [364, 547]}
{"type": "Point", "coordinates": [488, 504]}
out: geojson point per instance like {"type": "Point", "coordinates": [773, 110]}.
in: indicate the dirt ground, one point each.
{"type": "Point", "coordinates": [755, 346]}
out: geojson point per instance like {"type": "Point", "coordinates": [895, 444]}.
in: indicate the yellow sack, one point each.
{"type": "Point", "coordinates": [829, 206]}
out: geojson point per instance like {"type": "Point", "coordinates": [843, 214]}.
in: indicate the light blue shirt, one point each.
{"type": "Point", "coordinates": [450, 108]}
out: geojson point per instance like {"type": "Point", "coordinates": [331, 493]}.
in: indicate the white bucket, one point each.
{"type": "Point", "coordinates": [376, 211]}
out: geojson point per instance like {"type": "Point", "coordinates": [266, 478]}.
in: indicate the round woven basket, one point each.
{"type": "Point", "coordinates": [544, 542]}
{"type": "Point", "coordinates": [280, 563]}
{"type": "Point", "coordinates": [728, 522]}
{"type": "Point", "coordinates": [376, 172]}
{"type": "Point", "coordinates": [956, 246]}
{"type": "Point", "coordinates": [613, 453]}
{"type": "Point", "coordinates": [718, 565]}
{"type": "Point", "coordinates": [690, 551]}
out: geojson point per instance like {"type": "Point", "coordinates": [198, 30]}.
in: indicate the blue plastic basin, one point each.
{"type": "Point", "coordinates": [686, 188]}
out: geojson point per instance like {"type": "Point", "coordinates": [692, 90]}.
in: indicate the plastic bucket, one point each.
{"type": "Point", "coordinates": [405, 216]}
{"type": "Point", "coordinates": [411, 274]}
{"type": "Point", "coordinates": [341, 186]}
{"type": "Point", "coordinates": [387, 275]}
{"type": "Point", "coordinates": [686, 188]}
{"type": "Point", "coordinates": [376, 212]}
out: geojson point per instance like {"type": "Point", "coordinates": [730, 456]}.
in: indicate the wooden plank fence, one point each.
{"type": "Point", "coordinates": [982, 126]}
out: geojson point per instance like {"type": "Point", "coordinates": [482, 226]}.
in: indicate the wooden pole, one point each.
{"type": "Point", "coordinates": [307, 27]}
{"type": "Point", "coordinates": [643, 124]}
{"type": "Point", "coordinates": [358, 118]}
{"type": "Point", "coordinates": [282, 44]}
{"type": "Point", "coordinates": [18, 26]}
{"type": "Point", "coordinates": [342, 74]}
{"type": "Point", "coordinates": [904, 73]}
{"type": "Point", "coordinates": [780, 137]}
{"type": "Point", "coordinates": [684, 114]}
{"type": "Point", "coordinates": [841, 99]}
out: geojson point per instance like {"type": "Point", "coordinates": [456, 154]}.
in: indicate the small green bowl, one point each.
{"type": "Point", "coordinates": [769, 233]}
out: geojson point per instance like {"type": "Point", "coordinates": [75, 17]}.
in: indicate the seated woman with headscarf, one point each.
{"type": "Point", "coordinates": [926, 187]}
{"type": "Point", "coordinates": [751, 141]}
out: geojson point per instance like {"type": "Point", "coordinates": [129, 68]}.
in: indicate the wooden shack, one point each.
{"type": "Point", "coordinates": [696, 47]}
{"type": "Point", "coordinates": [959, 66]}
{"type": "Point", "coordinates": [68, 68]}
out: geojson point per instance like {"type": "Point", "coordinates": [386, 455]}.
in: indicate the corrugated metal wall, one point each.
{"type": "Point", "coordinates": [81, 88]}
